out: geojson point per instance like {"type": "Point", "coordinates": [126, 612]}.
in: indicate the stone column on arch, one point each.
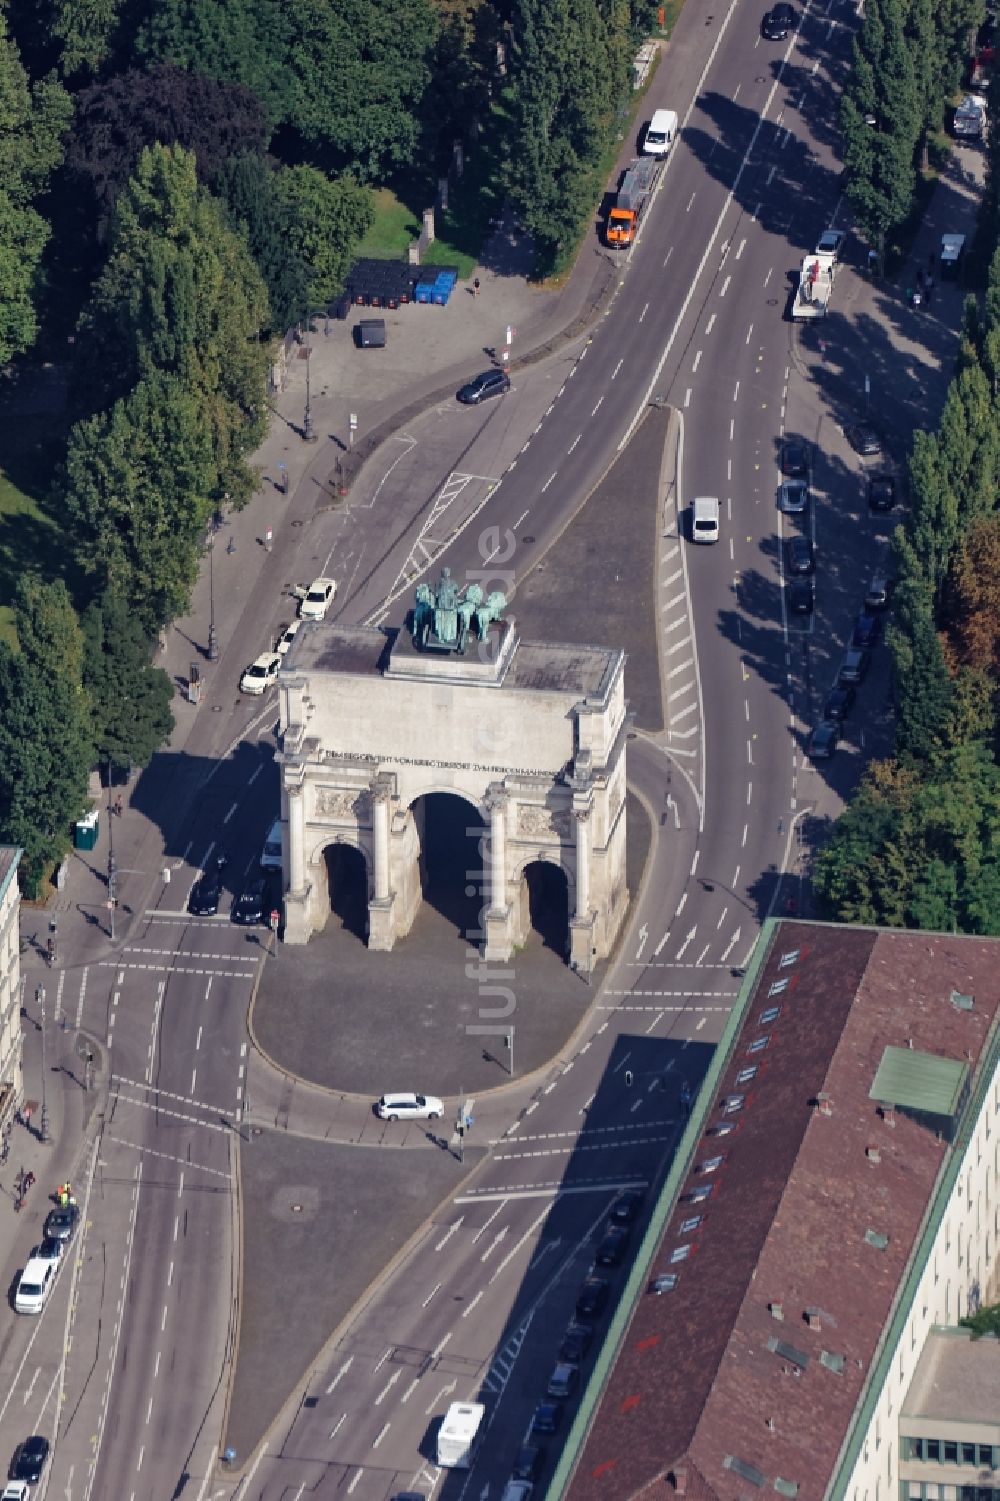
{"type": "Point", "coordinates": [583, 924]}
{"type": "Point", "coordinates": [381, 909]}
{"type": "Point", "coordinates": [296, 838]}
{"type": "Point", "coordinates": [499, 938]}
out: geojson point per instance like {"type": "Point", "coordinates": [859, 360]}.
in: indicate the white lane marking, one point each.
{"type": "Point", "coordinates": [597, 408]}
{"type": "Point", "coordinates": [574, 443]}
{"type": "Point", "coordinates": [697, 362]}
{"type": "Point", "coordinates": [617, 368]}
{"type": "Point", "coordinates": [644, 312]}
{"type": "Point", "coordinates": [725, 286]}
{"type": "Point", "coordinates": [549, 480]}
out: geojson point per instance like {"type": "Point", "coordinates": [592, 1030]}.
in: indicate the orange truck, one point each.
{"type": "Point", "coordinates": [635, 191]}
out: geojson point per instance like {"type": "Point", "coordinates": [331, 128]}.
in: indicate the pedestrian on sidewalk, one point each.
{"type": "Point", "coordinates": [231, 545]}
{"type": "Point", "coordinates": [928, 288]}
{"type": "Point", "coordinates": [119, 806]}
{"type": "Point", "coordinates": [475, 287]}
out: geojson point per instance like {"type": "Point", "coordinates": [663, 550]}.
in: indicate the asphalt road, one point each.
{"type": "Point", "coordinates": [139, 1353]}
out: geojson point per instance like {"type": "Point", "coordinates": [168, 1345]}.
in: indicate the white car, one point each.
{"type": "Point", "coordinates": [409, 1107]}
{"type": "Point", "coordinates": [262, 674]}
{"type": "Point", "coordinates": [287, 636]}
{"type": "Point", "coordinates": [16, 1490]}
{"type": "Point", "coordinates": [317, 599]}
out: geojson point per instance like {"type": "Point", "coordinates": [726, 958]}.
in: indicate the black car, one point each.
{"type": "Point", "coordinates": [627, 1206]}
{"type": "Point", "coordinates": [801, 594]}
{"type": "Point", "coordinates": [881, 492]}
{"type": "Point", "coordinates": [777, 23]}
{"type": "Point", "coordinates": [866, 629]}
{"type": "Point", "coordinates": [794, 459]}
{"type": "Point", "coordinates": [60, 1224]}
{"type": "Point", "coordinates": [253, 905]}
{"type": "Point", "coordinates": [489, 383]}
{"type": "Point", "coordinates": [854, 667]}
{"type": "Point", "coordinates": [864, 440]}
{"type": "Point", "coordinates": [839, 703]}
{"type": "Point", "coordinates": [29, 1461]}
{"type": "Point", "coordinates": [206, 895]}
{"type": "Point", "coordinates": [576, 1342]}
{"type": "Point", "coordinates": [801, 558]}
{"type": "Point", "coordinates": [823, 740]}
{"type": "Point", "coordinates": [528, 1462]}
{"type": "Point", "coordinates": [593, 1297]}
{"type": "Point", "coordinates": [548, 1416]}
{"type": "Point", "coordinates": [612, 1246]}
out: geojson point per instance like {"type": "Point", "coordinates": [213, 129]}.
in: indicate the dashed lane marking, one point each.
{"type": "Point", "coordinates": [177, 969]}
{"type": "Point", "coordinates": [688, 995]}
{"type": "Point", "coordinates": [119, 1079]}
{"type": "Point", "coordinates": [174, 1115]}
{"type": "Point", "coordinates": [640, 1139]}
{"type": "Point", "coordinates": [554, 1189]}
{"type": "Point", "coordinates": [136, 948]}
{"type": "Point", "coordinates": [181, 1162]}
{"type": "Point", "coordinates": [579, 1135]}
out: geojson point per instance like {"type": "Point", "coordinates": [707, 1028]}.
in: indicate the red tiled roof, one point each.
{"type": "Point", "coordinates": [695, 1385]}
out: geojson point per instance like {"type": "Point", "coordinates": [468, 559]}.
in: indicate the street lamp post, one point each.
{"type": "Point", "coordinates": [213, 640]}
{"type": "Point", "coordinates": [308, 427]}
{"type": "Point", "coordinates": [43, 1125]}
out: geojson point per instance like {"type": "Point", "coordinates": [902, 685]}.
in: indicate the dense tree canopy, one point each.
{"type": "Point", "coordinates": [46, 748]}
{"type": "Point", "coordinates": [33, 120]}
{"type": "Point", "coordinates": [117, 120]}
{"type": "Point", "coordinates": [181, 296]}
{"type": "Point", "coordinates": [129, 698]}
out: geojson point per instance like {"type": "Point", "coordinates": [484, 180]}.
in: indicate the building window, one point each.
{"type": "Point", "coordinates": [968, 1454]}
{"type": "Point", "coordinates": [986, 1457]}
{"type": "Point", "coordinates": [932, 1448]}
{"type": "Point", "coordinates": [910, 1448]}
{"type": "Point", "coordinates": [950, 1452]}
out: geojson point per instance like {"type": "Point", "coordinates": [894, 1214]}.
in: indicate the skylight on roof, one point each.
{"type": "Point", "coordinates": [688, 1226]}
{"type": "Point", "coordinates": [777, 986]}
{"type": "Point", "coordinates": [746, 1074]}
{"type": "Point", "coordinates": [789, 1352]}
{"type": "Point", "coordinates": [786, 1487]}
{"type": "Point", "coordinates": [733, 1103]}
{"type": "Point", "coordinates": [832, 1362]}
{"type": "Point", "coordinates": [790, 958]}
{"type": "Point", "coordinates": [680, 1253]}
{"type": "Point", "coordinates": [759, 1043]}
{"type": "Point", "coordinates": [877, 1239]}
{"type": "Point", "coordinates": [770, 1015]}
{"type": "Point", "coordinates": [962, 1002]}
{"type": "Point", "coordinates": [745, 1468]}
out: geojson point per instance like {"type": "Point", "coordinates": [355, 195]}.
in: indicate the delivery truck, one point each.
{"type": "Point", "coordinates": [459, 1435]}
{"type": "Point", "coordinates": [812, 295]}
{"type": "Point", "coordinates": [635, 192]}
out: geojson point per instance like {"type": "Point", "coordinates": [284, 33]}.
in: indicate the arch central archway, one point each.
{"type": "Point", "coordinates": [454, 875]}
{"type": "Point", "coordinates": [347, 884]}
{"type": "Point", "coordinates": [545, 906]}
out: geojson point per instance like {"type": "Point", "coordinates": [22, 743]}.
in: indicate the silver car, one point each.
{"type": "Point", "coordinates": [793, 496]}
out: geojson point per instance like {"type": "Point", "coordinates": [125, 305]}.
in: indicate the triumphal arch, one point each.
{"type": "Point", "coordinates": [532, 736]}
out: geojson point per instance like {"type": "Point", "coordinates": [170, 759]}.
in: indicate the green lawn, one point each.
{"type": "Point", "coordinates": [396, 224]}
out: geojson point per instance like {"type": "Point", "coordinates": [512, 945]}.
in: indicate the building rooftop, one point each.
{"type": "Point", "coordinates": [957, 1379]}
{"type": "Point", "coordinates": [579, 671]}
{"type": "Point", "coordinates": [790, 1234]}
{"type": "Point", "coordinates": [10, 856]}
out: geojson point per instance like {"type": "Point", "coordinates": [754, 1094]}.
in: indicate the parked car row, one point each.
{"type": "Point", "coordinates": [853, 669]}
{"type": "Point", "coordinates": [564, 1382]}
{"type": "Point", "coordinates": [314, 602]}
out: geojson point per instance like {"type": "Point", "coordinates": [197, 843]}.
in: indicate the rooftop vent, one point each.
{"type": "Point", "coordinates": [962, 1002]}
{"type": "Point", "coordinates": [745, 1468]}
{"type": "Point", "coordinates": [888, 1114]}
{"type": "Point", "coordinates": [679, 1477]}
{"type": "Point", "coordinates": [813, 1319]}
{"type": "Point", "coordinates": [873, 1154]}
{"type": "Point", "coordinates": [770, 1424]}
{"type": "Point", "coordinates": [776, 1311]}
{"type": "Point", "coordinates": [824, 1104]}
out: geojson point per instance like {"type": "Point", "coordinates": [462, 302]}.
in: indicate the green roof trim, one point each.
{"type": "Point", "coordinates": [920, 1081]}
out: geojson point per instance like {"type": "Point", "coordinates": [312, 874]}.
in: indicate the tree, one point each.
{"type": "Point", "coordinates": [117, 120]}
{"type": "Point", "coordinates": [923, 687]}
{"type": "Point", "coordinates": [324, 220]}
{"type": "Point", "coordinates": [137, 489]}
{"type": "Point", "coordinates": [882, 118]}
{"type": "Point", "coordinates": [32, 123]}
{"type": "Point", "coordinates": [130, 699]}
{"type": "Point", "coordinates": [249, 188]}
{"type": "Point", "coordinates": [45, 745]}
{"type": "Point", "coordinates": [236, 41]}
{"type": "Point", "coordinates": [180, 296]}
{"type": "Point", "coordinates": [974, 592]}
{"type": "Point", "coordinates": [86, 29]}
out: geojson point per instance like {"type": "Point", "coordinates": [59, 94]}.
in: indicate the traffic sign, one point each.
{"type": "Point", "coordinates": [354, 422]}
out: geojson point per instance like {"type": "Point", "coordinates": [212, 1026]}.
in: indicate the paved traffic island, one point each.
{"type": "Point", "coordinates": [428, 1016]}
{"type": "Point", "coordinates": [320, 1223]}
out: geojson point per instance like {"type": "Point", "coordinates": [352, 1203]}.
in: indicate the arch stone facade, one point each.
{"type": "Point", "coordinates": [531, 734]}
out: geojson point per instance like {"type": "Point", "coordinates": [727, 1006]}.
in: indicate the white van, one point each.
{"type": "Point", "coordinates": [459, 1435]}
{"type": "Point", "coordinates": [270, 855]}
{"type": "Point", "coordinates": [705, 519]}
{"type": "Point", "coordinates": [660, 132]}
{"type": "Point", "coordinates": [35, 1284]}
